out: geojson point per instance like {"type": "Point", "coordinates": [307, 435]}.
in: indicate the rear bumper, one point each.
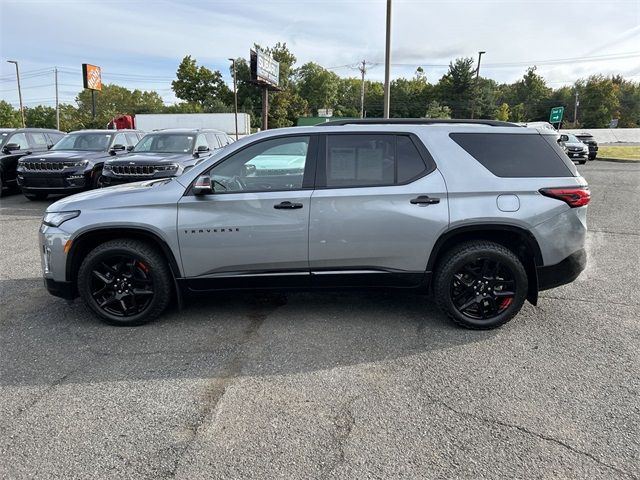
{"type": "Point", "coordinates": [566, 271]}
{"type": "Point", "coordinates": [64, 290]}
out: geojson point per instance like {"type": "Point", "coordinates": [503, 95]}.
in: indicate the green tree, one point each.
{"type": "Point", "coordinates": [599, 101]}
{"type": "Point", "coordinates": [532, 92]}
{"type": "Point", "coordinates": [9, 116]}
{"type": "Point", "coordinates": [503, 113]}
{"type": "Point", "coordinates": [318, 86]}
{"type": "Point", "coordinates": [518, 113]}
{"type": "Point", "coordinates": [40, 117]}
{"type": "Point", "coordinates": [455, 88]}
{"type": "Point", "coordinates": [201, 86]}
{"type": "Point", "coordinates": [409, 96]}
{"type": "Point", "coordinates": [629, 100]}
{"type": "Point", "coordinates": [435, 110]}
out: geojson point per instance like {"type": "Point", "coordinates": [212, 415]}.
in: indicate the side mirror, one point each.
{"type": "Point", "coordinates": [11, 147]}
{"type": "Point", "coordinates": [203, 185]}
{"type": "Point", "coordinates": [49, 147]}
{"type": "Point", "coordinates": [201, 149]}
{"type": "Point", "coordinates": [118, 148]}
{"type": "Point", "coordinates": [564, 138]}
{"type": "Point", "coordinates": [248, 170]}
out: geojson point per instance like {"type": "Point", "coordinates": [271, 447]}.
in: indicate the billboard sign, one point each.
{"type": "Point", "coordinates": [265, 70]}
{"type": "Point", "coordinates": [91, 76]}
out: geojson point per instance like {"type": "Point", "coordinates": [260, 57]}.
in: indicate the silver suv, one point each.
{"type": "Point", "coordinates": [483, 214]}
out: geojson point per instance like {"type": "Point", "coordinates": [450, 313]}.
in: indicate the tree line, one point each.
{"type": "Point", "coordinates": [310, 87]}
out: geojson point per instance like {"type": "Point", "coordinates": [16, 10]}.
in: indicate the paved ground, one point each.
{"type": "Point", "coordinates": [350, 385]}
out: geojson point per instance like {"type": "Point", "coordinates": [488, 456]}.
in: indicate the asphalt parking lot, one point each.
{"type": "Point", "coordinates": [328, 385]}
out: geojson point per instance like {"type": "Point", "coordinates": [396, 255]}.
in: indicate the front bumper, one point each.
{"type": "Point", "coordinates": [577, 156]}
{"type": "Point", "coordinates": [561, 273]}
{"type": "Point", "coordinates": [59, 181]}
{"type": "Point", "coordinates": [66, 290]}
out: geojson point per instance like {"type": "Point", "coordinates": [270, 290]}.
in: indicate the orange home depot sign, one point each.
{"type": "Point", "coordinates": [91, 76]}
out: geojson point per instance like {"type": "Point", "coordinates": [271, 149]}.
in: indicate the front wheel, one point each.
{"type": "Point", "coordinates": [480, 285]}
{"type": "Point", "coordinates": [582, 162]}
{"type": "Point", "coordinates": [125, 282]}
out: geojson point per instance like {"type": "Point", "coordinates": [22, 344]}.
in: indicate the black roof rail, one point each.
{"type": "Point", "coordinates": [414, 121]}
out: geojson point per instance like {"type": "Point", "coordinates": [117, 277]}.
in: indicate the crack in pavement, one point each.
{"type": "Point", "coordinates": [344, 421]}
{"type": "Point", "coordinates": [525, 430]}
{"type": "Point", "coordinates": [216, 389]}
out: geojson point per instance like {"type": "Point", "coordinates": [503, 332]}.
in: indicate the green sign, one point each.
{"type": "Point", "coordinates": [556, 115]}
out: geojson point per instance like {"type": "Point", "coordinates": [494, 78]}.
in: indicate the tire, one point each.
{"type": "Point", "coordinates": [582, 162]}
{"type": "Point", "coordinates": [110, 275]}
{"type": "Point", "coordinates": [461, 280]}
{"type": "Point", "coordinates": [36, 196]}
{"type": "Point", "coordinates": [96, 180]}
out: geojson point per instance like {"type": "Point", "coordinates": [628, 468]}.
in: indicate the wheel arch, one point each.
{"type": "Point", "coordinates": [519, 240]}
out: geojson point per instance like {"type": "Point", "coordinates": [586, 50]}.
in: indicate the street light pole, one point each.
{"type": "Point", "coordinates": [19, 90]}
{"type": "Point", "coordinates": [473, 103]}
{"type": "Point", "coordinates": [57, 101]}
{"type": "Point", "coordinates": [387, 63]}
{"type": "Point", "coordinates": [235, 94]}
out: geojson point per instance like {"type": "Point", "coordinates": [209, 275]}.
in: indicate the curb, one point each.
{"type": "Point", "coordinates": [617, 160]}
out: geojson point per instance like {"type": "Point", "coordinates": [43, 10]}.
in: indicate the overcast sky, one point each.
{"type": "Point", "coordinates": [139, 43]}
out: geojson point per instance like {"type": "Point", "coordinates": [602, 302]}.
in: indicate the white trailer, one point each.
{"type": "Point", "coordinates": [218, 121]}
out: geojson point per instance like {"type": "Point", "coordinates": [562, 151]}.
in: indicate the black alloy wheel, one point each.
{"type": "Point", "coordinates": [483, 288]}
{"type": "Point", "coordinates": [125, 282]}
{"type": "Point", "coordinates": [480, 284]}
{"type": "Point", "coordinates": [121, 285]}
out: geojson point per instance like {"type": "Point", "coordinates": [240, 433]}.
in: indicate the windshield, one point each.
{"type": "Point", "coordinates": [88, 142]}
{"type": "Point", "coordinates": [3, 137]}
{"type": "Point", "coordinates": [572, 138]}
{"type": "Point", "coordinates": [166, 143]}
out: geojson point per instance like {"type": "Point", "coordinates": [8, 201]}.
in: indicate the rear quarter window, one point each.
{"type": "Point", "coordinates": [516, 155]}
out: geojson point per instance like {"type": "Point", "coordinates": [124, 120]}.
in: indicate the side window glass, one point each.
{"type": "Point", "coordinates": [212, 140]}
{"type": "Point", "coordinates": [276, 164]}
{"type": "Point", "coordinates": [410, 163]}
{"type": "Point", "coordinates": [54, 138]}
{"type": "Point", "coordinates": [360, 160]}
{"type": "Point", "coordinates": [201, 140]}
{"type": "Point", "coordinates": [119, 139]}
{"type": "Point", "coordinates": [38, 140]}
{"type": "Point", "coordinates": [20, 139]}
{"type": "Point", "coordinates": [132, 138]}
{"type": "Point", "coordinates": [222, 140]}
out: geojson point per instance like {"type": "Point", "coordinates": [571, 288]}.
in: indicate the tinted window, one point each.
{"type": "Point", "coordinates": [276, 164]}
{"type": "Point", "coordinates": [20, 139]}
{"type": "Point", "coordinates": [166, 143]}
{"type": "Point", "coordinates": [55, 137]}
{"type": "Point", "coordinates": [132, 138]}
{"type": "Point", "coordinates": [38, 140]}
{"type": "Point", "coordinates": [360, 160]}
{"type": "Point", "coordinates": [91, 142]}
{"type": "Point", "coordinates": [410, 163]}
{"type": "Point", "coordinates": [514, 155]}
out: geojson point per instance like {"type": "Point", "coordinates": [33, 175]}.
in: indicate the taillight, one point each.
{"type": "Point", "coordinates": [573, 196]}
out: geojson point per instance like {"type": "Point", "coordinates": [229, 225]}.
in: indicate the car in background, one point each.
{"type": "Point", "coordinates": [15, 143]}
{"type": "Point", "coordinates": [73, 164]}
{"type": "Point", "coordinates": [589, 141]}
{"type": "Point", "coordinates": [165, 153]}
{"type": "Point", "coordinates": [574, 148]}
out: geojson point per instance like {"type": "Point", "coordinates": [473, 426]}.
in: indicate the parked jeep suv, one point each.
{"type": "Point", "coordinates": [165, 153]}
{"type": "Point", "coordinates": [73, 164]}
{"type": "Point", "coordinates": [483, 214]}
{"type": "Point", "coordinates": [15, 143]}
{"type": "Point", "coordinates": [589, 141]}
{"type": "Point", "coordinates": [574, 148]}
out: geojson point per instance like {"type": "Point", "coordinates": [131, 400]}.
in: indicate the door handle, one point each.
{"type": "Point", "coordinates": [425, 200]}
{"type": "Point", "coordinates": [287, 206]}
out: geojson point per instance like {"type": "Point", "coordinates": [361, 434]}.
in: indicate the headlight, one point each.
{"type": "Point", "coordinates": [81, 163]}
{"type": "Point", "coordinates": [55, 219]}
{"type": "Point", "coordinates": [107, 167]}
{"type": "Point", "coordinates": [167, 168]}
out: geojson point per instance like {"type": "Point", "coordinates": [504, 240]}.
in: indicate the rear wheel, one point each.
{"type": "Point", "coordinates": [96, 179]}
{"type": "Point", "coordinates": [125, 282]}
{"type": "Point", "coordinates": [480, 285]}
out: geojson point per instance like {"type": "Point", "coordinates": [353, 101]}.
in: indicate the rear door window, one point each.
{"type": "Point", "coordinates": [38, 140]}
{"type": "Point", "coordinates": [515, 155]}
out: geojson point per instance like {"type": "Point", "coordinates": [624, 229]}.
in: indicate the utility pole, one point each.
{"type": "Point", "coordinates": [19, 90]}
{"type": "Point", "coordinates": [363, 70]}
{"type": "Point", "coordinates": [235, 94]}
{"type": "Point", "coordinates": [575, 110]}
{"type": "Point", "coordinates": [55, 70]}
{"type": "Point", "coordinates": [473, 102]}
{"type": "Point", "coordinates": [387, 63]}
{"type": "Point", "coordinates": [265, 108]}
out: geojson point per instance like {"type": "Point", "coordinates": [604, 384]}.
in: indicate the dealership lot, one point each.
{"type": "Point", "coordinates": [317, 385]}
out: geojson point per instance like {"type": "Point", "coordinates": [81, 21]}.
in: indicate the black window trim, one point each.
{"type": "Point", "coordinates": [308, 178]}
{"type": "Point", "coordinates": [321, 173]}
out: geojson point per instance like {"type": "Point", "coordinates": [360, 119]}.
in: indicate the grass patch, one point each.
{"type": "Point", "coordinates": [627, 152]}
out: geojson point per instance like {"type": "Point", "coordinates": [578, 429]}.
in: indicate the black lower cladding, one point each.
{"type": "Point", "coordinates": [65, 290]}
{"type": "Point", "coordinates": [57, 181]}
{"type": "Point", "coordinates": [566, 271]}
